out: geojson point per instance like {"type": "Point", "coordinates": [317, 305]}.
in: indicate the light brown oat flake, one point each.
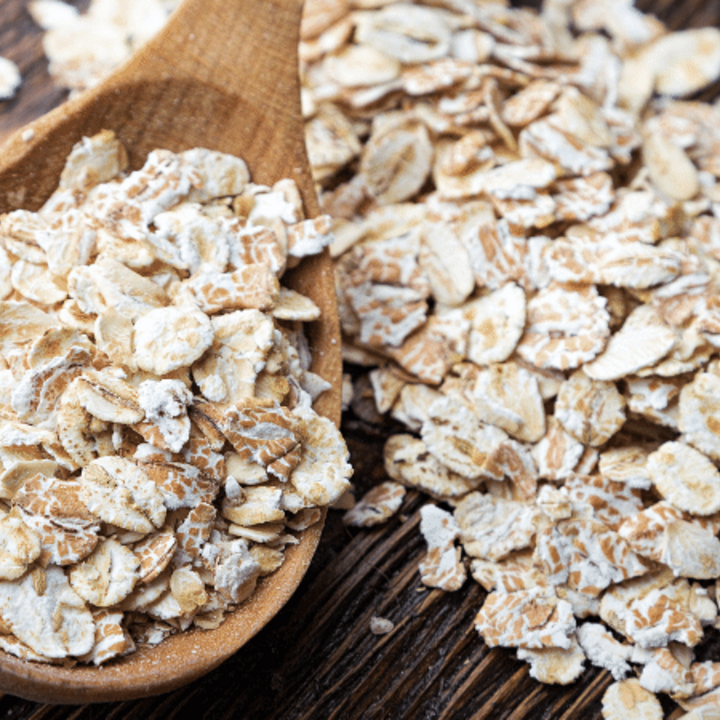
{"type": "Point", "coordinates": [107, 576]}
{"type": "Point", "coordinates": [626, 465]}
{"type": "Point", "coordinates": [642, 340]}
{"type": "Point", "coordinates": [459, 439]}
{"type": "Point", "coordinates": [529, 103]}
{"type": "Point", "coordinates": [555, 666]}
{"type": "Point", "coordinates": [386, 386]}
{"type": "Point", "coordinates": [566, 326]}
{"type": "Point", "coordinates": [507, 395]}
{"type": "Point", "coordinates": [446, 264]}
{"type": "Point", "coordinates": [441, 567]}
{"type": "Point", "coordinates": [396, 159]}
{"type": "Point", "coordinates": [686, 478]}
{"type": "Point", "coordinates": [44, 612]}
{"type": "Point", "coordinates": [586, 555]}
{"type": "Point", "coordinates": [408, 461]}
{"type": "Point", "coordinates": [111, 638]}
{"type": "Point", "coordinates": [170, 338]}
{"type": "Point", "coordinates": [20, 545]}
{"type": "Point", "coordinates": [654, 609]}
{"type": "Point", "coordinates": [376, 506]}
{"type": "Point", "coordinates": [655, 398]}
{"type": "Point", "coordinates": [627, 700]}
{"type": "Point", "coordinates": [154, 553]}
{"type": "Point", "coordinates": [497, 322]}
{"type": "Point", "coordinates": [611, 501]}
{"type": "Point", "coordinates": [669, 536]}
{"type": "Point", "coordinates": [698, 413]}
{"type": "Point", "coordinates": [584, 197]}
{"type": "Point", "coordinates": [558, 453]}
{"type": "Point", "coordinates": [512, 573]}
{"type": "Point", "coordinates": [491, 528]}
{"type": "Point", "coordinates": [592, 411]}
{"type": "Point", "coordinates": [532, 619]}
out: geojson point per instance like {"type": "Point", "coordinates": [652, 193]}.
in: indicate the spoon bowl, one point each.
{"type": "Point", "coordinates": [221, 75]}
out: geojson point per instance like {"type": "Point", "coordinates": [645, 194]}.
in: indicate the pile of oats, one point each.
{"type": "Point", "coordinates": [527, 214]}
{"type": "Point", "coordinates": [84, 48]}
{"type": "Point", "coordinates": [158, 446]}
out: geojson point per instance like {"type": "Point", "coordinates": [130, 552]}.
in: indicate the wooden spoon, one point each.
{"type": "Point", "coordinates": [222, 75]}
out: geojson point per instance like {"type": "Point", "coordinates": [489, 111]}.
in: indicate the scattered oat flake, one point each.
{"type": "Point", "coordinates": [441, 567]}
{"type": "Point", "coordinates": [558, 453]}
{"type": "Point", "coordinates": [592, 411]}
{"type": "Point", "coordinates": [380, 625]}
{"type": "Point", "coordinates": [642, 340]}
{"type": "Point", "coordinates": [603, 650]}
{"type": "Point", "coordinates": [565, 327]}
{"type": "Point", "coordinates": [586, 555]}
{"type": "Point", "coordinates": [653, 609]}
{"type": "Point", "coordinates": [611, 501]}
{"type": "Point", "coordinates": [669, 536]}
{"type": "Point", "coordinates": [627, 700]}
{"type": "Point", "coordinates": [459, 439]}
{"type": "Point", "coordinates": [408, 461]}
{"type": "Point", "coordinates": [685, 477]}
{"type": "Point", "coordinates": [555, 666]}
{"type": "Point", "coordinates": [533, 619]}
{"type": "Point", "coordinates": [491, 528]}
{"type": "Point", "coordinates": [507, 395]}
{"type": "Point", "coordinates": [377, 505]}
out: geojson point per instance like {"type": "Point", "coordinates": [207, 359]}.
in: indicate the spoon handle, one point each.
{"type": "Point", "coordinates": [222, 75]}
{"type": "Point", "coordinates": [233, 69]}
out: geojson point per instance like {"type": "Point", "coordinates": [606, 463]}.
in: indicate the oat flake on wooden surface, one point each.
{"type": "Point", "coordinates": [546, 365]}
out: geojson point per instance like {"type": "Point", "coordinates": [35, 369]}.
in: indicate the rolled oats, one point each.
{"type": "Point", "coordinates": [376, 506]}
{"type": "Point", "coordinates": [507, 396]}
{"type": "Point", "coordinates": [441, 567]}
{"type": "Point", "coordinates": [538, 308]}
{"type": "Point", "coordinates": [491, 528]}
{"type": "Point", "coordinates": [685, 477]}
{"type": "Point", "coordinates": [555, 666]}
{"type": "Point", "coordinates": [643, 340]}
{"type": "Point", "coordinates": [603, 650]}
{"type": "Point", "coordinates": [457, 437]}
{"type": "Point", "coordinates": [592, 411]}
{"type": "Point", "coordinates": [408, 461]}
{"type": "Point", "coordinates": [156, 428]}
{"type": "Point", "coordinates": [533, 619]}
{"type": "Point", "coordinates": [497, 322]}
{"type": "Point", "coordinates": [566, 327]}
{"type": "Point", "coordinates": [627, 700]}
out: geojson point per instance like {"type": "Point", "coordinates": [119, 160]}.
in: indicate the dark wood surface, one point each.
{"type": "Point", "coordinates": [318, 660]}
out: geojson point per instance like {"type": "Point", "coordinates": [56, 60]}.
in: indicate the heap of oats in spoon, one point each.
{"type": "Point", "coordinates": [158, 446]}
{"type": "Point", "coordinates": [528, 261]}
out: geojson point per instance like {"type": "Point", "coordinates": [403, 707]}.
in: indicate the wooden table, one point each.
{"type": "Point", "coordinates": [318, 660]}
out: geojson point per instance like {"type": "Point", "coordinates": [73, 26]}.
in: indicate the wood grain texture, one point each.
{"type": "Point", "coordinates": [317, 659]}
